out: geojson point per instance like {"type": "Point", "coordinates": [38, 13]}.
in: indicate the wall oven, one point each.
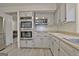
{"type": "Point", "coordinates": [26, 27]}
{"type": "Point", "coordinates": [26, 24]}
{"type": "Point", "coordinates": [26, 34]}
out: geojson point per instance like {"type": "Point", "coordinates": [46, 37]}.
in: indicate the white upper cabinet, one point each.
{"type": "Point", "coordinates": [62, 13]}
{"type": "Point", "coordinates": [67, 12]}
{"type": "Point", "coordinates": [70, 12]}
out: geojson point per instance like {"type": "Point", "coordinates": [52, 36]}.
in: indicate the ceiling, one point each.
{"type": "Point", "coordinates": [26, 4]}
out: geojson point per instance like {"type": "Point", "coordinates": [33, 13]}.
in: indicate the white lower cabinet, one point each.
{"type": "Point", "coordinates": [54, 46]}
{"type": "Point", "coordinates": [67, 48]}
{"type": "Point", "coordinates": [46, 42]}
{"type": "Point", "coordinates": [38, 41]}
{"type": "Point", "coordinates": [76, 52]}
{"type": "Point", "coordinates": [23, 43]}
{"type": "Point", "coordinates": [62, 52]}
{"type": "Point", "coordinates": [61, 48]}
{"type": "Point", "coordinates": [56, 49]}
{"type": "Point", "coordinates": [29, 43]}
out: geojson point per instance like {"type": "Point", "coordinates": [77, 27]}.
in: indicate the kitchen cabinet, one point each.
{"type": "Point", "coordinates": [38, 41]}
{"type": "Point", "coordinates": [51, 41]}
{"type": "Point", "coordinates": [76, 52]}
{"type": "Point", "coordinates": [56, 49]}
{"type": "Point", "coordinates": [26, 29]}
{"type": "Point", "coordinates": [23, 43]}
{"type": "Point", "coordinates": [62, 12]}
{"type": "Point", "coordinates": [57, 16]}
{"type": "Point", "coordinates": [27, 43]}
{"type": "Point", "coordinates": [52, 45]}
{"type": "Point", "coordinates": [45, 40]}
{"type": "Point", "coordinates": [66, 12]}
{"type": "Point", "coordinates": [70, 12]}
{"type": "Point", "coordinates": [67, 49]}
{"type": "Point", "coordinates": [24, 14]}
{"type": "Point", "coordinates": [62, 52]}
{"type": "Point", "coordinates": [56, 46]}
{"type": "Point", "coordinates": [30, 43]}
{"type": "Point", "coordinates": [61, 48]}
{"type": "Point", "coordinates": [41, 41]}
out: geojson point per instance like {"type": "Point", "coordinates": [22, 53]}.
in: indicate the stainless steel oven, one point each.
{"type": "Point", "coordinates": [26, 34]}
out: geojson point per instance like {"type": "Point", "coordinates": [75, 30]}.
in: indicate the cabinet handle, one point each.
{"type": "Point", "coordinates": [58, 49]}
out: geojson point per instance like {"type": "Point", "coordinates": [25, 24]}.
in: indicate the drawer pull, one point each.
{"type": "Point", "coordinates": [58, 49]}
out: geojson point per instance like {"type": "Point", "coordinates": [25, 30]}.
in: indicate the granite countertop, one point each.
{"type": "Point", "coordinates": [69, 39]}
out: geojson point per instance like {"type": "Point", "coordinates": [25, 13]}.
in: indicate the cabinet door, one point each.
{"type": "Point", "coordinates": [26, 43]}
{"type": "Point", "coordinates": [52, 44]}
{"type": "Point", "coordinates": [67, 48]}
{"type": "Point", "coordinates": [70, 12]}
{"type": "Point", "coordinates": [23, 43]}
{"type": "Point", "coordinates": [62, 52]}
{"type": "Point", "coordinates": [24, 14]}
{"type": "Point", "coordinates": [44, 42]}
{"type": "Point", "coordinates": [56, 48]}
{"type": "Point", "coordinates": [39, 42]}
{"type": "Point", "coordinates": [76, 52]}
{"type": "Point", "coordinates": [62, 13]}
{"type": "Point", "coordinates": [30, 43]}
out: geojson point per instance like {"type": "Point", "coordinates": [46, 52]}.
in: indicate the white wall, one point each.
{"type": "Point", "coordinates": [67, 27]}
{"type": "Point", "coordinates": [77, 17]}
{"type": "Point", "coordinates": [7, 28]}
{"type": "Point", "coordinates": [14, 21]}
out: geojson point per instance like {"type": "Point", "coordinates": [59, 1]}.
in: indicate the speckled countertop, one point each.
{"type": "Point", "coordinates": [64, 38]}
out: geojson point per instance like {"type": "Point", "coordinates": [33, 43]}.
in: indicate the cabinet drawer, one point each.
{"type": "Point", "coordinates": [67, 48]}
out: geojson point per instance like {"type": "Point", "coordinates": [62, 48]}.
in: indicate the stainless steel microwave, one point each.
{"type": "Point", "coordinates": [26, 24]}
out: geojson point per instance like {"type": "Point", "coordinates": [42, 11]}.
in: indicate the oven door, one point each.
{"type": "Point", "coordinates": [26, 24]}
{"type": "Point", "coordinates": [26, 34]}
